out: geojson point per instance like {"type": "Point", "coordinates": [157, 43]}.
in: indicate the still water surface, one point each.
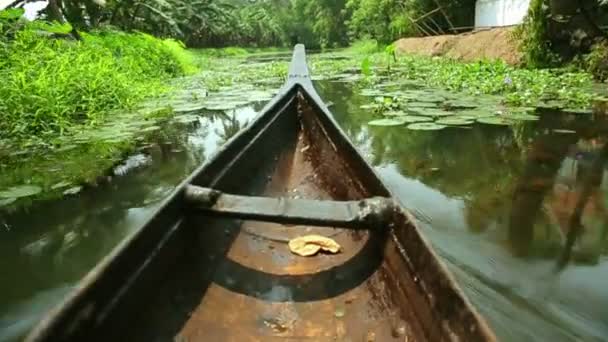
{"type": "Point", "coordinates": [498, 204]}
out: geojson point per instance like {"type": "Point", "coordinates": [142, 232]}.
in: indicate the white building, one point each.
{"type": "Point", "coordinates": [489, 13]}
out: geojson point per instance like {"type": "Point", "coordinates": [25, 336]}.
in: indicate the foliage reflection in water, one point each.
{"type": "Point", "coordinates": [47, 249]}
{"type": "Point", "coordinates": [519, 213]}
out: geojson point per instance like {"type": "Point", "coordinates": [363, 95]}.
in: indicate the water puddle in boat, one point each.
{"type": "Point", "coordinates": [495, 196]}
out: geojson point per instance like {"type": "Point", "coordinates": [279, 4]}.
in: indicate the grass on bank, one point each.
{"type": "Point", "coordinates": [57, 93]}
{"type": "Point", "coordinates": [50, 85]}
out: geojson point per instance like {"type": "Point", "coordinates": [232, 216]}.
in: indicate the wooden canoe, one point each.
{"type": "Point", "coordinates": [209, 266]}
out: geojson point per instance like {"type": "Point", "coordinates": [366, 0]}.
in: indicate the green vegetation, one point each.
{"type": "Point", "coordinates": [561, 88]}
{"type": "Point", "coordinates": [562, 32]}
{"type": "Point", "coordinates": [49, 85]}
{"type": "Point", "coordinates": [533, 38]}
{"type": "Point", "coordinates": [316, 23]}
{"type": "Point", "coordinates": [596, 62]}
{"type": "Point", "coordinates": [520, 86]}
{"type": "Point", "coordinates": [59, 164]}
{"type": "Point", "coordinates": [76, 99]}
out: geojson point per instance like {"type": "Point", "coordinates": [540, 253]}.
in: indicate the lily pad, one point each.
{"type": "Point", "coordinates": [478, 113]}
{"type": "Point", "coordinates": [150, 129]}
{"type": "Point", "coordinates": [462, 104]}
{"type": "Point", "coordinates": [222, 106]}
{"type": "Point", "coordinates": [186, 118]}
{"type": "Point", "coordinates": [20, 191]}
{"type": "Point", "coordinates": [402, 115]}
{"type": "Point", "coordinates": [418, 104]}
{"type": "Point", "coordinates": [434, 112]}
{"type": "Point", "coordinates": [415, 118]}
{"type": "Point", "coordinates": [66, 148]}
{"type": "Point", "coordinates": [185, 108]}
{"type": "Point", "coordinates": [370, 92]}
{"type": "Point", "coordinates": [389, 84]}
{"type": "Point", "coordinates": [387, 122]}
{"type": "Point", "coordinates": [495, 120]}
{"type": "Point", "coordinates": [526, 110]}
{"type": "Point", "coordinates": [522, 117]}
{"type": "Point", "coordinates": [426, 126]}
{"type": "Point", "coordinates": [466, 117]}
{"type": "Point", "coordinates": [564, 131]}
{"type": "Point", "coordinates": [6, 201]}
{"type": "Point", "coordinates": [551, 105]}
{"type": "Point", "coordinates": [578, 111]}
{"type": "Point", "coordinates": [259, 95]}
{"type": "Point", "coordinates": [428, 97]}
{"type": "Point", "coordinates": [394, 113]}
{"type": "Point", "coordinates": [454, 121]}
{"type": "Point", "coordinates": [61, 184]}
{"type": "Point", "coordinates": [73, 190]}
{"type": "Point", "coordinates": [371, 106]}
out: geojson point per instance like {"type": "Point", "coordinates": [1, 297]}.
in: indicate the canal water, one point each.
{"type": "Point", "coordinates": [518, 213]}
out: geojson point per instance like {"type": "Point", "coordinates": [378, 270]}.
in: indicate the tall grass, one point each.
{"type": "Point", "coordinates": [365, 46]}
{"type": "Point", "coordinates": [50, 84]}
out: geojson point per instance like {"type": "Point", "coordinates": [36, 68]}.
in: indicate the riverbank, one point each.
{"type": "Point", "coordinates": [492, 44]}
{"type": "Point", "coordinates": [71, 109]}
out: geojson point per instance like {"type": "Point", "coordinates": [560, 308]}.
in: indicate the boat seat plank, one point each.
{"type": "Point", "coordinates": [367, 213]}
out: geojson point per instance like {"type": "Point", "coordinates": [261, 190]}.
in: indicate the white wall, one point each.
{"type": "Point", "coordinates": [31, 8]}
{"type": "Point", "coordinates": [500, 12]}
{"type": "Point", "coordinates": [4, 3]}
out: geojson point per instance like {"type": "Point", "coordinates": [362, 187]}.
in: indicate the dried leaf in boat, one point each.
{"type": "Point", "coordinates": [309, 245]}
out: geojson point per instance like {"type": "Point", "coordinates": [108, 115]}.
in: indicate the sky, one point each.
{"type": "Point", "coordinates": [31, 8]}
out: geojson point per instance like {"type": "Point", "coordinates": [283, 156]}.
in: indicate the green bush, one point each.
{"type": "Point", "coordinates": [596, 61]}
{"type": "Point", "coordinates": [50, 84]}
{"type": "Point", "coordinates": [382, 20]}
{"type": "Point", "coordinates": [365, 46]}
{"type": "Point", "coordinates": [532, 39]}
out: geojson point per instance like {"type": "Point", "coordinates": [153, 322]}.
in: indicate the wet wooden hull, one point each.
{"type": "Point", "coordinates": [191, 277]}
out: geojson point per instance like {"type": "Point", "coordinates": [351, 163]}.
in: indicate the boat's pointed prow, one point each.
{"type": "Point", "coordinates": [298, 70]}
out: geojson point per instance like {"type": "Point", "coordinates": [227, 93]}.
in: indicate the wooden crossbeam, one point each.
{"type": "Point", "coordinates": [363, 214]}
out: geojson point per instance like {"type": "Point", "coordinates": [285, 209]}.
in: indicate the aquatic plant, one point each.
{"type": "Point", "coordinates": [517, 86]}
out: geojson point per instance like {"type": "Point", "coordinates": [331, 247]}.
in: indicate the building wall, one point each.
{"type": "Point", "coordinates": [500, 12]}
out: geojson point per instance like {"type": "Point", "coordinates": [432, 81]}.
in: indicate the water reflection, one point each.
{"type": "Point", "coordinates": [45, 250]}
{"type": "Point", "coordinates": [518, 213]}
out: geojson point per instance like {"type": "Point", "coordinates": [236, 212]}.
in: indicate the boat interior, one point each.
{"type": "Point", "coordinates": [238, 280]}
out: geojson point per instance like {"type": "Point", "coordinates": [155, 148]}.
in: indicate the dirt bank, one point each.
{"type": "Point", "coordinates": [484, 44]}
